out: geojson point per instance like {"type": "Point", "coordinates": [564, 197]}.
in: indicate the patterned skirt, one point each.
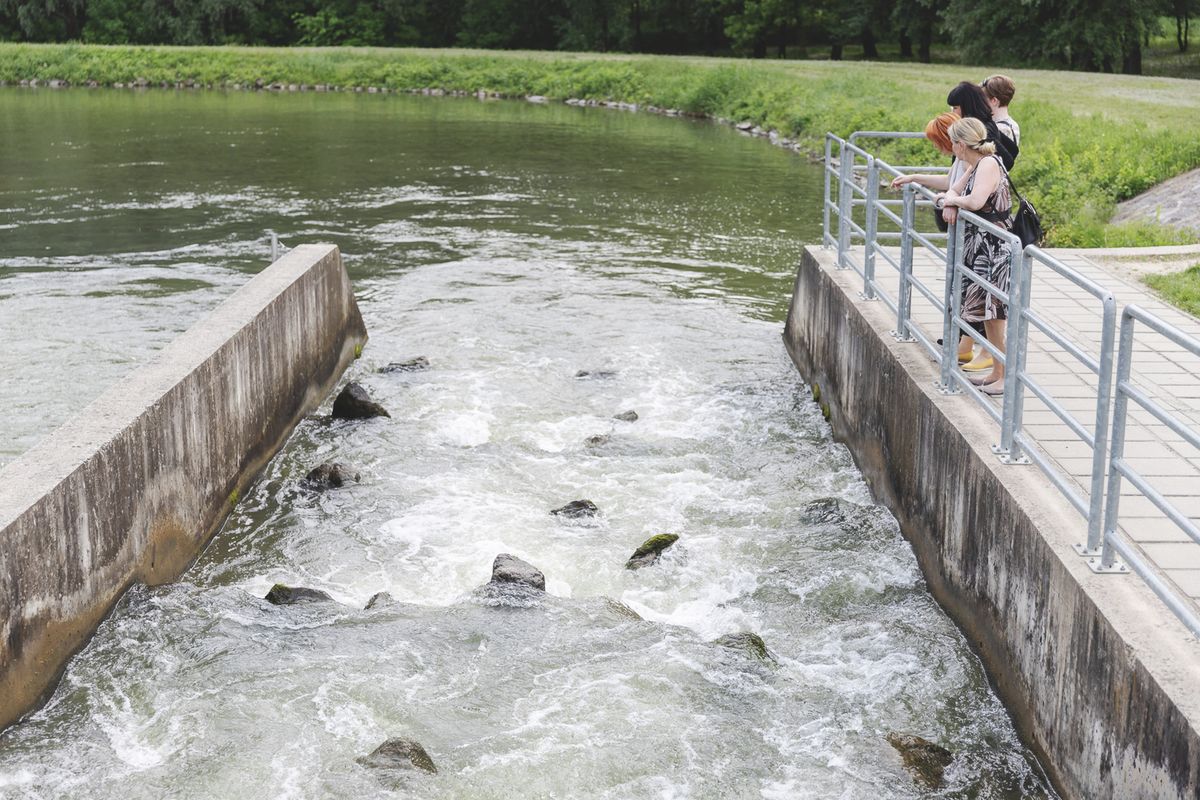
{"type": "Point", "coordinates": [989, 257]}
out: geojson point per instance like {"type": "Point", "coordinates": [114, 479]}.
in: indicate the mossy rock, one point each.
{"type": "Point", "coordinates": [621, 610]}
{"type": "Point", "coordinates": [746, 642]}
{"type": "Point", "coordinates": [283, 595]}
{"type": "Point", "coordinates": [411, 365]}
{"type": "Point", "coordinates": [923, 759]}
{"type": "Point", "coordinates": [577, 509]}
{"type": "Point", "coordinates": [399, 754]}
{"type": "Point", "coordinates": [379, 600]}
{"type": "Point", "coordinates": [650, 550]}
{"type": "Point", "coordinates": [353, 402]}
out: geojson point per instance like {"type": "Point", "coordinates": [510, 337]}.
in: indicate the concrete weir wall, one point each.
{"type": "Point", "coordinates": [132, 488]}
{"type": "Point", "coordinates": [1100, 678]}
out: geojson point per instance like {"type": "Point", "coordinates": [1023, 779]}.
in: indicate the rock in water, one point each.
{"type": "Point", "coordinates": [577, 509]}
{"type": "Point", "coordinates": [747, 642]}
{"type": "Point", "coordinates": [598, 440]}
{"type": "Point", "coordinates": [650, 550]}
{"type": "Point", "coordinates": [924, 760]}
{"type": "Point", "coordinates": [510, 569]}
{"type": "Point", "coordinates": [380, 599]}
{"type": "Point", "coordinates": [826, 509]}
{"type": "Point", "coordinates": [399, 754]}
{"type": "Point", "coordinates": [355, 403]}
{"type": "Point", "coordinates": [330, 475]}
{"type": "Point", "coordinates": [627, 416]}
{"type": "Point", "coordinates": [411, 365]}
{"type": "Point", "coordinates": [281, 595]}
{"type": "Point", "coordinates": [599, 374]}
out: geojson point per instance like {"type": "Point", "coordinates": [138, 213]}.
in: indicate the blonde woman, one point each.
{"type": "Point", "coordinates": [985, 191]}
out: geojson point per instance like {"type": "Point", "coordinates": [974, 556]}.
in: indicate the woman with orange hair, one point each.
{"type": "Point", "coordinates": [937, 131]}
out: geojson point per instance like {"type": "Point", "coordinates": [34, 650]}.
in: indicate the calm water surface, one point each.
{"type": "Point", "coordinates": [513, 245]}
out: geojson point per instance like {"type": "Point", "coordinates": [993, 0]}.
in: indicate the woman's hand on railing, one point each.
{"type": "Point", "coordinates": [900, 180]}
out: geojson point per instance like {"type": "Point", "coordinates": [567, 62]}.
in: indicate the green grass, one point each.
{"type": "Point", "coordinates": [1088, 140]}
{"type": "Point", "coordinates": [1180, 289]}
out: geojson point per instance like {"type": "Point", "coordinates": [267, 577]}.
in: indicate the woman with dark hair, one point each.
{"type": "Point", "coordinates": [969, 101]}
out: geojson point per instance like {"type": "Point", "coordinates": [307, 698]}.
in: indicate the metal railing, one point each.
{"type": "Point", "coordinates": [1120, 469]}
{"type": "Point", "coordinates": [856, 175]}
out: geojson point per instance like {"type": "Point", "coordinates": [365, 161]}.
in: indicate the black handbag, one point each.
{"type": "Point", "coordinates": [1027, 223]}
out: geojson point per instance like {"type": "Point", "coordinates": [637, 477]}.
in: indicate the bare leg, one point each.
{"type": "Point", "coordinates": [994, 328]}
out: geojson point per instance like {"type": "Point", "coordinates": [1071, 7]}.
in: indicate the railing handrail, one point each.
{"type": "Point", "coordinates": [1105, 439]}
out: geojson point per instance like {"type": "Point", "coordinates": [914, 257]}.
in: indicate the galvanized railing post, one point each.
{"type": "Point", "coordinates": [872, 225]}
{"type": "Point", "coordinates": [904, 295]}
{"type": "Point", "coordinates": [1117, 451]}
{"type": "Point", "coordinates": [828, 198]}
{"type": "Point", "coordinates": [1100, 433]}
{"type": "Point", "coordinates": [950, 332]}
{"type": "Point", "coordinates": [845, 204]}
{"type": "Point", "coordinates": [1016, 336]}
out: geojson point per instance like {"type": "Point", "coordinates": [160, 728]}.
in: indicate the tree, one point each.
{"type": "Point", "coordinates": [1096, 35]}
{"type": "Point", "coordinates": [1183, 10]}
{"type": "Point", "coordinates": [47, 20]}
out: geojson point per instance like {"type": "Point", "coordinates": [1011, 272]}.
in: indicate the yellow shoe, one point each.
{"type": "Point", "coordinates": [965, 357]}
{"type": "Point", "coordinates": [979, 363]}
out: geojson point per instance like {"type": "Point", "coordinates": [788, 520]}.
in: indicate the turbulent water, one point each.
{"type": "Point", "coordinates": [514, 246]}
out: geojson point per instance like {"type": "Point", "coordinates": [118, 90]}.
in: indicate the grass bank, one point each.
{"type": "Point", "coordinates": [1088, 141]}
{"type": "Point", "coordinates": [1181, 289]}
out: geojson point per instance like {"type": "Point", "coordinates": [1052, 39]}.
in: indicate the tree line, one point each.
{"type": "Point", "coordinates": [1098, 35]}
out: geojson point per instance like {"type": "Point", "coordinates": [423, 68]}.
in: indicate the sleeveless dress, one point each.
{"type": "Point", "coordinates": [986, 254]}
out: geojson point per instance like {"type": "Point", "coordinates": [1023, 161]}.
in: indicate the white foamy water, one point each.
{"type": "Point", "coordinates": [511, 281]}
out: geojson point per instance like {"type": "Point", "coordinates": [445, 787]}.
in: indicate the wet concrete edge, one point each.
{"type": "Point", "coordinates": [132, 488]}
{"type": "Point", "coordinates": [1099, 677]}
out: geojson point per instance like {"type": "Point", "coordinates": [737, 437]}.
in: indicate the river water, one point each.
{"type": "Point", "coordinates": [514, 246]}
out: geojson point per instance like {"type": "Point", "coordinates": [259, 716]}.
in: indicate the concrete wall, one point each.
{"type": "Point", "coordinates": [1100, 678]}
{"type": "Point", "coordinates": [133, 487]}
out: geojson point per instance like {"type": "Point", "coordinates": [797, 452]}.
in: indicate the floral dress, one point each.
{"type": "Point", "coordinates": [986, 254]}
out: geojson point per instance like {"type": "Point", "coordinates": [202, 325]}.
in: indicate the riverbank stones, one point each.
{"type": "Point", "coordinates": [399, 754]}
{"type": "Point", "coordinates": [577, 509]}
{"type": "Point", "coordinates": [330, 475]}
{"type": "Point", "coordinates": [923, 759]}
{"type": "Point", "coordinates": [353, 402]}
{"type": "Point", "coordinates": [651, 550]}
{"type": "Point", "coordinates": [282, 595]}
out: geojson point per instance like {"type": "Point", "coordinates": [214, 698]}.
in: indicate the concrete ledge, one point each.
{"type": "Point", "coordinates": [1101, 679]}
{"type": "Point", "coordinates": [134, 487]}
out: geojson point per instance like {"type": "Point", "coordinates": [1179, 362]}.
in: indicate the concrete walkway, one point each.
{"type": "Point", "coordinates": [1161, 368]}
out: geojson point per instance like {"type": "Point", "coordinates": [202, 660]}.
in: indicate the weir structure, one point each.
{"type": "Point", "coordinates": [1012, 503]}
{"type": "Point", "coordinates": [131, 489]}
